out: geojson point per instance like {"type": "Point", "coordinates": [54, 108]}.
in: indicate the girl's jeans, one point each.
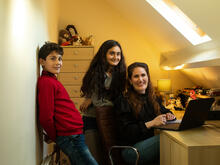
{"type": "Point", "coordinates": [75, 148]}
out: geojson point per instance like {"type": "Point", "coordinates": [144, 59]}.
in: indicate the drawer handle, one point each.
{"type": "Point", "coordinates": [75, 78]}
{"type": "Point", "coordinates": [75, 65]}
{"type": "Point", "coordinates": [75, 52]}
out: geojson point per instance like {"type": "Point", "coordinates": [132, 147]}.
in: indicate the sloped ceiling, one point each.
{"type": "Point", "coordinates": [150, 23]}
{"type": "Point", "coordinates": [204, 13]}
{"type": "Point", "coordinates": [163, 35]}
{"type": "Point", "coordinates": [167, 39]}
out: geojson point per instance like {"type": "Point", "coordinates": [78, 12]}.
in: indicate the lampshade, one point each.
{"type": "Point", "coordinates": [164, 85]}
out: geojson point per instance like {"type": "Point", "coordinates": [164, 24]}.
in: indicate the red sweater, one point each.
{"type": "Point", "coordinates": [57, 113]}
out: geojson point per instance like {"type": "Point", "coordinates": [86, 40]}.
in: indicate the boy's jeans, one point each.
{"type": "Point", "coordinates": [75, 148]}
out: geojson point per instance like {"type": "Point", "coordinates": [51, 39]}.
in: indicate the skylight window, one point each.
{"type": "Point", "coordinates": [180, 21]}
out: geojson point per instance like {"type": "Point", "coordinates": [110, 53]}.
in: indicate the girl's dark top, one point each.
{"type": "Point", "coordinates": [131, 129]}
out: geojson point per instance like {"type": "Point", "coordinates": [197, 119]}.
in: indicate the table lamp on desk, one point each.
{"type": "Point", "coordinates": [164, 87]}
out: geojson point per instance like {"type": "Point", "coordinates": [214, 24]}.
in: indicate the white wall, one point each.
{"type": "Point", "coordinates": [207, 77]}
{"type": "Point", "coordinates": [24, 26]}
{"type": "Point", "coordinates": [104, 21]}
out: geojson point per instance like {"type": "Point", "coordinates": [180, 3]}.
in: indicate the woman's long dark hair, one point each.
{"type": "Point", "coordinates": [95, 75]}
{"type": "Point", "coordinates": [134, 98]}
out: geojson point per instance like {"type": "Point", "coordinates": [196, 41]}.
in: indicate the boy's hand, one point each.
{"type": "Point", "coordinates": [87, 102]}
{"type": "Point", "coordinates": [47, 139]}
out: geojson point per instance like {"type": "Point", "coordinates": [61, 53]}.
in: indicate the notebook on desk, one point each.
{"type": "Point", "coordinates": [195, 115]}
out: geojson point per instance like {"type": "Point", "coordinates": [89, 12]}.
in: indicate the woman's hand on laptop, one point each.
{"type": "Point", "coordinates": [170, 116]}
{"type": "Point", "coordinates": [157, 121]}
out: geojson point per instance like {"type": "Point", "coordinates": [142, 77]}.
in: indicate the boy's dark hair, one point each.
{"type": "Point", "coordinates": [49, 47]}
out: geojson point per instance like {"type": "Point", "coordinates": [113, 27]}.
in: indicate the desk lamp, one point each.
{"type": "Point", "coordinates": [164, 87]}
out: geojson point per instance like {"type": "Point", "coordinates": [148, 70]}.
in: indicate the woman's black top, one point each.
{"type": "Point", "coordinates": [130, 129]}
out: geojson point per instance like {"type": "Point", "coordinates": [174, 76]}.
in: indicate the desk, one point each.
{"type": "Point", "coordinates": [197, 146]}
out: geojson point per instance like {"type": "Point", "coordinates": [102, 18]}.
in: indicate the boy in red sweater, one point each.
{"type": "Point", "coordinates": [57, 113]}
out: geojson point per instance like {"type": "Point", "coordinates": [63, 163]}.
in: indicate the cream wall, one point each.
{"type": "Point", "coordinates": [103, 21]}
{"type": "Point", "coordinates": [25, 25]}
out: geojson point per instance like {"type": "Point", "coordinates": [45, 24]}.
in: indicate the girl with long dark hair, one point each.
{"type": "Point", "coordinates": [103, 82]}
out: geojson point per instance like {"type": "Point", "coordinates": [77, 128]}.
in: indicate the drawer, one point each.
{"type": "Point", "coordinates": [71, 78]}
{"type": "Point", "coordinates": [73, 90]}
{"type": "Point", "coordinates": [75, 66]}
{"type": "Point", "coordinates": [77, 53]}
{"type": "Point", "coordinates": [77, 102]}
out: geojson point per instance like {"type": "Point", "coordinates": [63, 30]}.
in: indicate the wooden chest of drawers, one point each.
{"type": "Point", "coordinates": [76, 61]}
